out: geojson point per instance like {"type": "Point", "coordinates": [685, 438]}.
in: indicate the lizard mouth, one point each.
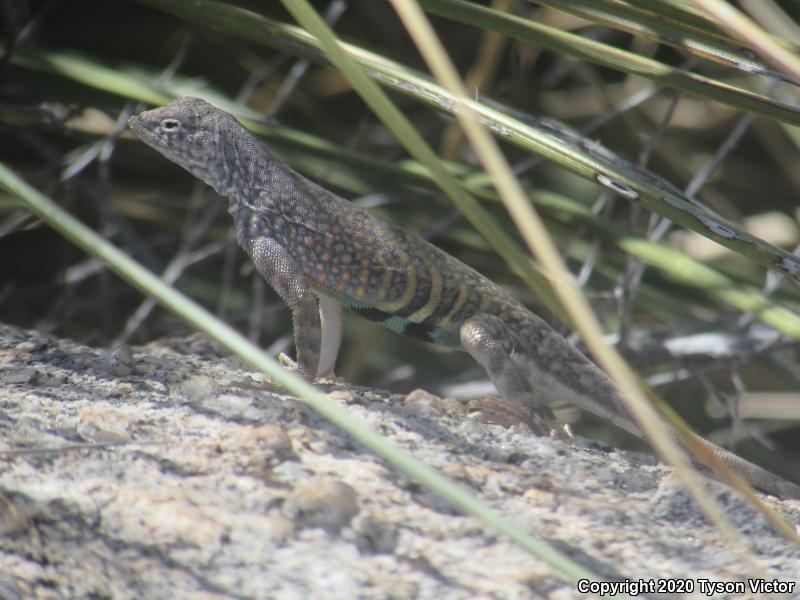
{"type": "Point", "coordinates": [140, 129]}
{"type": "Point", "coordinates": [135, 123]}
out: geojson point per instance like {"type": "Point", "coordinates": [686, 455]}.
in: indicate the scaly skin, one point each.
{"type": "Point", "coordinates": [320, 252]}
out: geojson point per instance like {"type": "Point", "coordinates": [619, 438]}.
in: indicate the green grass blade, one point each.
{"type": "Point", "coordinates": [658, 29]}
{"type": "Point", "coordinates": [678, 13]}
{"type": "Point", "coordinates": [739, 25]}
{"type": "Point", "coordinates": [92, 74]}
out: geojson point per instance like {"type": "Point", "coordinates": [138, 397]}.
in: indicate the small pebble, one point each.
{"type": "Point", "coordinates": [422, 403]}
{"type": "Point", "coordinates": [374, 535]}
{"type": "Point", "coordinates": [326, 504]}
{"type": "Point", "coordinates": [121, 362]}
{"type": "Point", "coordinates": [102, 426]}
{"type": "Point", "coordinates": [23, 375]}
{"type": "Point", "coordinates": [198, 388]}
{"type": "Point", "coordinates": [14, 518]}
{"type": "Point", "coordinates": [344, 397]}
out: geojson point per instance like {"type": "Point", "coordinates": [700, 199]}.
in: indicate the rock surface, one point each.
{"type": "Point", "coordinates": [172, 471]}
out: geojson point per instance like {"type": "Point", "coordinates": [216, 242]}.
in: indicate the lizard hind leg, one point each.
{"type": "Point", "coordinates": [490, 341]}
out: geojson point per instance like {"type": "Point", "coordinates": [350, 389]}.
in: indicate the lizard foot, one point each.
{"type": "Point", "coordinates": [330, 377]}
{"type": "Point", "coordinates": [287, 363]}
{"type": "Point", "coordinates": [498, 411]}
{"type": "Point", "coordinates": [291, 365]}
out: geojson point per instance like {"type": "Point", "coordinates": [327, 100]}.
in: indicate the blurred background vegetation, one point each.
{"type": "Point", "coordinates": [702, 119]}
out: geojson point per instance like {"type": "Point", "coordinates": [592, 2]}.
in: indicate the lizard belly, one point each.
{"type": "Point", "coordinates": [423, 330]}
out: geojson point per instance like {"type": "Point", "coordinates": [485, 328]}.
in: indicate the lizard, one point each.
{"type": "Point", "coordinates": [321, 253]}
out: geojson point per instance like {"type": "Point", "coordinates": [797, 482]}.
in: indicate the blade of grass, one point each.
{"type": "Point", "coordinates": [741, 27]}
{"type": "Point", "coordinates": [91, 74]}
{"type": "Point", "coordinates": [678, 13]}
{"type": "Point", "coordinates": [657, 29]}
{"type": "Point", "coordinates": [478, 78]}
{"type": "Point", "coordinates": [198, 317]}
{"type": "Point", "coordinates": [773, 18]}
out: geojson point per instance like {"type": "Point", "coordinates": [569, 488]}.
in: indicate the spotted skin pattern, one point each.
{"type": "Point", "coordinates": [319, 251]}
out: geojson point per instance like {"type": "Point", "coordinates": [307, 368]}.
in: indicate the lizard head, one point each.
{"type": "Point", "coordinates": [190, 132]}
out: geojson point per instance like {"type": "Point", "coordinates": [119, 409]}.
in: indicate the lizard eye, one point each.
{"type": "Point", "coordinates": [170, 124]}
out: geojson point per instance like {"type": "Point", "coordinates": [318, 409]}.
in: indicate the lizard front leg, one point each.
{"type": "Point", "coordinates": [275, 264]}
{"type": "Point", "coordinates": [330, 312]}
{"type": "Point", "coordinates": [490, 341]}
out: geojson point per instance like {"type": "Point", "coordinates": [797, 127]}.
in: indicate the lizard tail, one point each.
{"type": "Point", "coordinates": [606, 401]}
{"type": "Point", "coordinates": [756, 476]}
